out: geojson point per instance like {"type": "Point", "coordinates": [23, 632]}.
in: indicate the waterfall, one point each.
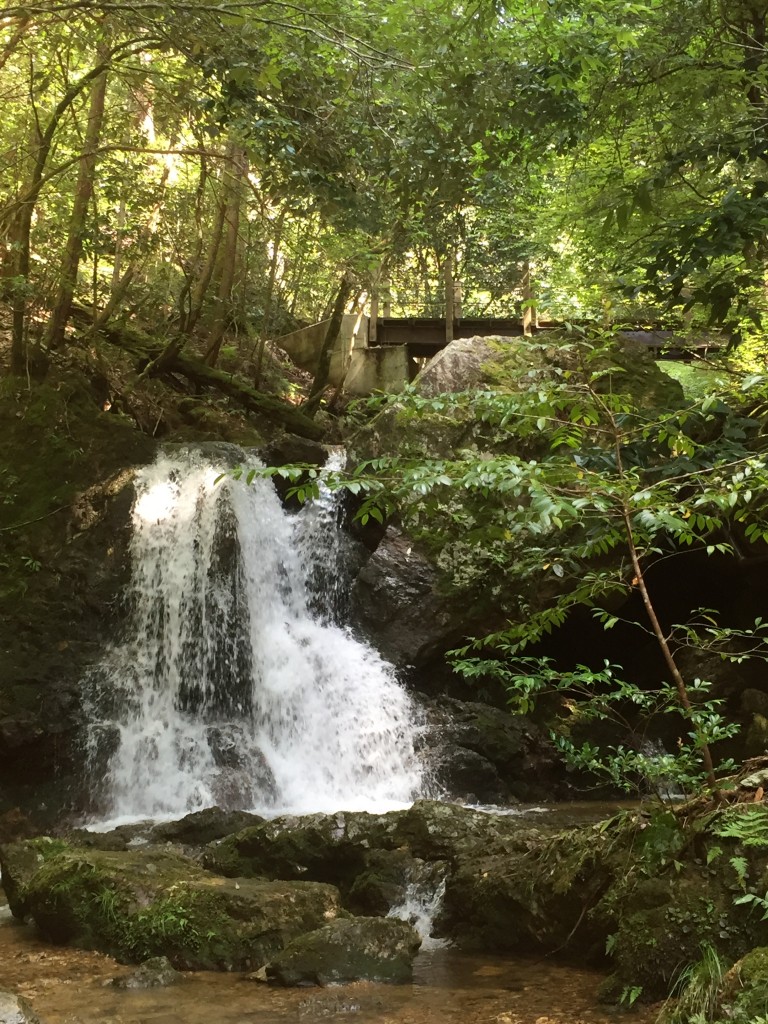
{"type": "Point", "coordinates": [421, 905]}
{"type": "Point", "coordinates": [235, 683]}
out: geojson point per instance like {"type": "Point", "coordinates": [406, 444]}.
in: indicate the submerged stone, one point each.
{"type": "Point", "coordinates": [357, 949]}
{"type": "Point", "coordinates": [157, 972]}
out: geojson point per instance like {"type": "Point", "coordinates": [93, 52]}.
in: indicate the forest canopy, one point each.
{"type": "Point", "coordinates": [201, 167]}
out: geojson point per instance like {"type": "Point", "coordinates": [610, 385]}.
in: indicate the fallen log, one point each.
{"type": "Point", "coordinates": [167, 361]}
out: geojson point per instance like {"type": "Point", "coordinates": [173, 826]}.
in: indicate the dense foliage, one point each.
{"type": "Point", "coordinates": [204, 166]}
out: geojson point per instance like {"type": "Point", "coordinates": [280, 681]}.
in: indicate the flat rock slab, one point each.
{"type": "Point", "coordinates": [148, 903]}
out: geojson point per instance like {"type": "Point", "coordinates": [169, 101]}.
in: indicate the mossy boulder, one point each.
{"type": "Point", "coordinates": [318, 847]}
{"type": "Point", "coordinates": [358, 949]}
{"type": "Point", "coordinates": [663, 923]}
{"type": "Point", "coordinates": [140, 904]}
{"type": "Point", "coordinates": [531, 891]}
{"type": "Point", "coordinates": [744, 991]}
{"type": "Point", "coordinates": [19, 863]}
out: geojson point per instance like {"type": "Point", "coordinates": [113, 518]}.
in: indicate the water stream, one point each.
{"type": "Point", "coordinates": [70, 986]}
{"type": "Point", "coordinates": [235, 684]}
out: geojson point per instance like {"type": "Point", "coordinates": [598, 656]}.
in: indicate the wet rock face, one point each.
{"type": "Point", "coordinates": [482, 754]}
{"type": "Point", "coordinates": [359, 949]}
{"type": "Point", "coordinates": [15, 1010]}
{"type": "Point", "coordinates": [396, 603]}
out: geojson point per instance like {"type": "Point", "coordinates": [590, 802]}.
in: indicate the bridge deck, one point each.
{"type": "Point", "coordinates": [425, 337]}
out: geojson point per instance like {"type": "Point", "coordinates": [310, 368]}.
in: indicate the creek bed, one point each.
{"type": "Point", "coordinates": [70, 986]}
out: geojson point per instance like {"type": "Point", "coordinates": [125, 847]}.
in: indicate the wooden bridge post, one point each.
{"type": "Point", "coordinates": [449, 298]}
{"type": "Point", "coordinates": [528, 310]}
{"type": "Point", "coordinates": [373, 322]}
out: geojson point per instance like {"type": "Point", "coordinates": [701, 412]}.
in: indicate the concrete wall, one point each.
{"type": "Point", "coordinates": [377, 369]}
{"type": "Point", "coordinates": [303, 346]}
{"type": "Point", "coordinates": [360, 369]}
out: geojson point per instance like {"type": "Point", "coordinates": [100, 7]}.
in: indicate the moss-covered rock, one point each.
{"type": "Point", "coordinates": [744, 991]}
{"type": "Point", "coordinates": [140, 904]}
{"type": "Point", "coordinates": [319, 847]}
{"type": "Point", "coordinates": [19, 863]}
{"type": "Point", "coordinates": [360, 852]}
{"type": "Point", "coordinates": [359, 949]}
{"type": "Point", "coordinates": [202, 827]}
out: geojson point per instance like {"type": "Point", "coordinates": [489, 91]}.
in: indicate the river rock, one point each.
{"type": "Point", "coordinates": [203, 827]}
{"type": "Point", "coordinates": [369, 857]}
{"type": "Point", "coordinates": [15, 1010]}
{"type": "Point", "coordinates": [358, 949]}
{"type": "Point", "coordinates": [157, 972]}
{"type": "Point", "coordinates": [330, 848]}
{"type": "Point", "coordinates": [144, 903]}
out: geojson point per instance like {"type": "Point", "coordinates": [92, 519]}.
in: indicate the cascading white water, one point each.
{"type": "Point", "coordinates": [421, 905]}
{"type": "Point", "coordinates": [234, 684]}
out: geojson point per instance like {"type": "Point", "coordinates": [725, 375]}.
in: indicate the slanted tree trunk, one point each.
{"type": "Point", "coordinates": [73, 251]}
{"type": "Point", "coordinates": [319, 384]}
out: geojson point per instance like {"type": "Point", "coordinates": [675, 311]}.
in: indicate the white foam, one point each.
{"type": "Point", "coordinates": [234, 684]}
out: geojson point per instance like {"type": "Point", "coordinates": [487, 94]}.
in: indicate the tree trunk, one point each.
{"type": "Point", "coordinates": [22, 225]}
{"type": "Point", "coordinates": [234, 175]}
{"type": "Point", "coordinates": [320, 382]}
{"type": "Point", "coordinates": [70, 263]}
{"type": "Point", "coordinates": [265, 327]}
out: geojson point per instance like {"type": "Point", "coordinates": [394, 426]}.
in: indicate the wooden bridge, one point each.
{"type": "Point", "coordinates": [384, 353]}
{"type": "Point", "coordinates": [425, 337]}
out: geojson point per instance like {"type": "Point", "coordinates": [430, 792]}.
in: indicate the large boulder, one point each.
{"type": "Point", "coordinates": [202, 827]}
{"type": "Point", "coordinates": [456, 570]}
{"type": "Point", "coordinates": [367, 856]}
{"type": "Point", "coordinates": [359, 949]}
{"type": "Point", "coordinates": [319, 847]}
{"type": "Point", "coordinates": [140, 904]}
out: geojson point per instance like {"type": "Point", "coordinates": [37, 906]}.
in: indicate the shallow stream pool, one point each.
{"type": "Point", "coordinates": [68, 986]}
